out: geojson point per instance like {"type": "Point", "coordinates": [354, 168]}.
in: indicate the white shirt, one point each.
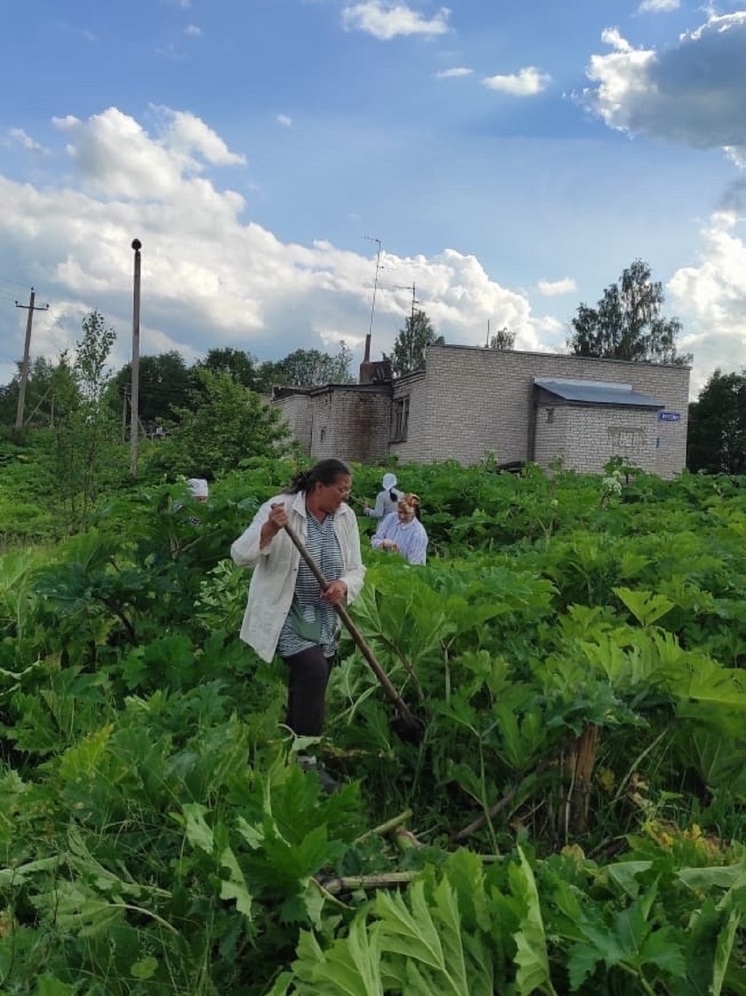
{"type": "Point", "coordinates": [276, 567]}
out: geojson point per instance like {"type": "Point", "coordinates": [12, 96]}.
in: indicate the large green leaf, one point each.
{"type": "Point", "coordinates": [531, 957]}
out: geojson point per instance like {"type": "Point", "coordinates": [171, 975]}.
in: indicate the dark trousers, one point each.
{"type": "Point", "coordinates": [308, 676]}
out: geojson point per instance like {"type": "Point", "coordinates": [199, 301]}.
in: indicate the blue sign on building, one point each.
{"type": "Point", "coordinates": [669, 416]}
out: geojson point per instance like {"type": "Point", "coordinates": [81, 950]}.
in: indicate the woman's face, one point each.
{"type": "Point", "coordinates": [331, 496]}
{"type": "Point", "coordinates": [406, 513]}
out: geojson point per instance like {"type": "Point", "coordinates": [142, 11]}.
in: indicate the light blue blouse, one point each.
{"type": "Point", "coordinates": [410, 537]}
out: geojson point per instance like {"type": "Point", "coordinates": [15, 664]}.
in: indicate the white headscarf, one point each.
{"type": "Point", "coordinates": [198, 487]}
{"type": "Point", "coordinates": [389, 481]}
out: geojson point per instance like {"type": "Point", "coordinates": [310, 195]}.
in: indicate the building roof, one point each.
{"type": "Point", "coordinates": [592, 392]}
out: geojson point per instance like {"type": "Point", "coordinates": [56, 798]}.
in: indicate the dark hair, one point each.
{"type": "Point", "coordinates": [323, 472]}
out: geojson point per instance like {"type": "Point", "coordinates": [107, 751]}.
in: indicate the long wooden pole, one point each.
{"type": "Point", "coordinates": [135, 389]}
{"type": "Point", "coordinates": [401, 706]}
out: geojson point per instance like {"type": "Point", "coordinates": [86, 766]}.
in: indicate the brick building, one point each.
{"type": "Point", "coordinates": [521, 406]}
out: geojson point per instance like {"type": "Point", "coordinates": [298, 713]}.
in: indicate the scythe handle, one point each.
{"type": "Point", "coordinates": [384, 680]}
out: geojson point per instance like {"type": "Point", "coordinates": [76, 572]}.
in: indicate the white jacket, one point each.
{"type": "Point", "coordinates": [276, 567]}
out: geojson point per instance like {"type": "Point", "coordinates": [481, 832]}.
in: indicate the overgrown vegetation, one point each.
{"type": "Point", "coordinates": [573, 820]}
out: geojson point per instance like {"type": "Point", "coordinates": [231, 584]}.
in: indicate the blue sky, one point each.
{"type": "Point", "coordinates": [512, 158]}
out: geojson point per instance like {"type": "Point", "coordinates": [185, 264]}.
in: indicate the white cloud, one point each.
{"type": "Point", "coordinates": [185, 133]}
{"type": "Point", "coordinates": [117, 157]}
{"type": "Point", "coordinates": [385, 20]}
{"type": "Point", "coordinates": [552, 288]}
{"type": "Point", "coordinates": [285, 120]}
{"type": "Point", "coordinates": [710, 299]}
{"type": "Point", "coordinates": [658, 6]}
{"type": "Point", "coordinates": [455, 73]}
{"type": "Point", "coordinates": [20, 137]}
{"type": "Point", "coordinates": [691, 93]}
{"type": "Point", "coordinates": [209, 276]}
{"type": "Point", "coordinates": [193, 31]}
{"type": "Point", "coordinates": [527, 82]}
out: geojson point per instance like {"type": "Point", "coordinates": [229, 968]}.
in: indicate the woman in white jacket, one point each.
{"type": "Point", "coordinates": [287, 613]}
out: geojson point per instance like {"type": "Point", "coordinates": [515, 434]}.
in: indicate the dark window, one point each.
{"type": "Point", "coordinates": [401, 419]}
{"type": "Point", "coordinates": [550, 414]}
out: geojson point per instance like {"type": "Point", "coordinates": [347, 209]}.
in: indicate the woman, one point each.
{"type": "Point", "coordinates": [386, 500]}
{"type": "Point", "coordinates": [287, 613]}
{"type": "Point", "coordinates": [402, 532]}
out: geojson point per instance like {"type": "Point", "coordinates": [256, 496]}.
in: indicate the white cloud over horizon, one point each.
{"type": "Point", "coordinates": [710, 297]}
{"type": "Point", "coordinates": [210, 277]}
{"type": "Point", "coordinates": [214, 276]}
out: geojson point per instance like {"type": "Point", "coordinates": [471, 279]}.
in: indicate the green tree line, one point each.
{"type": "Point", "coordinates": [168, 383]}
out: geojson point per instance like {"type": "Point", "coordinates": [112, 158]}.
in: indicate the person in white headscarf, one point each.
{"type": "Point", "coordinates": [387, 501]}
{"type": "Point", "coordinates": [198, 488]}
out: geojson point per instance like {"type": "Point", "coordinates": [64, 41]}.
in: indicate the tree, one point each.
{"type": "Point", "coordinates": [502, 339]}
{"type": "Point", "coordinates": [165, 384]}
{"type": "Point", "coordinates": [717, 426]}
{"type": "Point", "coordinates": [85, 428]}
{"type": "Point", "coordinates": [224, 424]}
{"type": "Point", "coordinates": [38, 407]}
{"type": "Point", "coordinates": [312, 368]}
{"type": "Point", "coordinates": [411, 344]}
{"type": "Point", "coordinates": [242, 366]}
{"type": "Point", "coordinates": [626, 323]}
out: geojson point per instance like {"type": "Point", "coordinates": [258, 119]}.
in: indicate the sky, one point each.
{"type": "Point", "coordinates": [509, 157]}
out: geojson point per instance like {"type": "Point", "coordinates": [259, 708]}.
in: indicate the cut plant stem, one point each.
{"type": "Point", "coordinates": [384, 828]}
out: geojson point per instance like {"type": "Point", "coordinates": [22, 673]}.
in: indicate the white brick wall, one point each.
{"type": "Point", "coordinates": [471, 400]}
{"type": "Point", "coordinates": [481, 399]}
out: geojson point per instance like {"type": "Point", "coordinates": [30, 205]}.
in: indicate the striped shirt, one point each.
{"type": "Point", "coordinates": [312, 622]}
{"type": "Point", "coordinates": [410, 537]}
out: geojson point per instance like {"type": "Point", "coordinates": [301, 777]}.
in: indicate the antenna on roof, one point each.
{"type": "Point", "coordinates": [411, 287]}
{"type": "Point", "coordinates": [366, 356]}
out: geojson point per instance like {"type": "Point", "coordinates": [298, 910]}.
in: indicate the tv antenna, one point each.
{"type": "Point", "coordinates": [411, 287]}
{"type": "Point", "coordinates": [366, 355]}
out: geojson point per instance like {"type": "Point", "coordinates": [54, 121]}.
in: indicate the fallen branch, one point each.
{"type": "Point", "coordinates": [501, 804]}
{"type": "Point", "coordinates": [334, 885]}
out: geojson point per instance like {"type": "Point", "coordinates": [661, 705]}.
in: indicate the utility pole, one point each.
{"type": "Point", "coordinates": [31, 308]}
{"type": "Point", "coordinates": [366, 355]}
{"type": "Point", "coordinates": [135, 390]}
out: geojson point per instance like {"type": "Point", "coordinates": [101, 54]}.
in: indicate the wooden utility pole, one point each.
{"type": "Point", "coordinates": [135, 389]}
{"type": "Point", "coordinates": [31, 308]}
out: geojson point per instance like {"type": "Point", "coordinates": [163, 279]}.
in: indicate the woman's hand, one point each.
{"type": "Point", "coordinates": [388, 544]}
{"type": "Point", "coordinates": [277, 518]}
{"type": "Point", "coordinates": [336, 593]}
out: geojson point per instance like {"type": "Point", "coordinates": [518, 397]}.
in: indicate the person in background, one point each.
{"type": "Point", "coordinates": [386, 500]}
{"type": "Point", "coordinates": [402, 532]}
{"type": "Point", "coordinates": [287, 612]}
{"type": "Point", "coordinates": [198, 488]}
